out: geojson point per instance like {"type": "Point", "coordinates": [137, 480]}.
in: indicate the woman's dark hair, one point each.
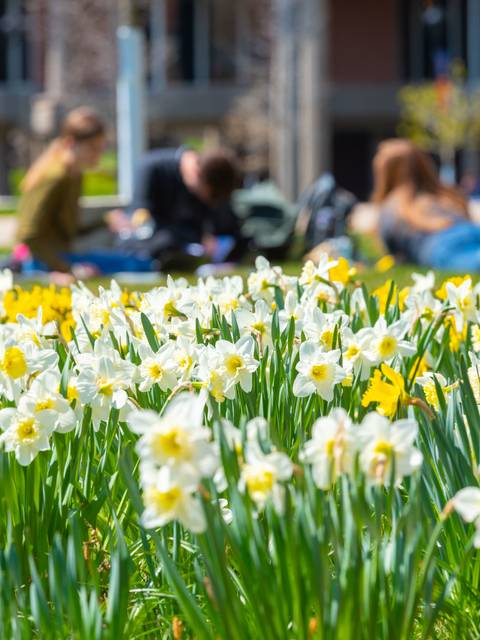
{"type": "Point", "coordinates": [218, 172]}
{"type": "Point", "coordinates": [404, 170]}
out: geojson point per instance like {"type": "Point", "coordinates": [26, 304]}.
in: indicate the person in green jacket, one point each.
{"type": "Point", "coordinates": [49, 207]}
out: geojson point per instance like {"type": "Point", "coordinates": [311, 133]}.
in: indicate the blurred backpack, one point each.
{"type": "Point", "coordinates": [327, 208]}
{"type": "Point", "coordinates": [266, 218]}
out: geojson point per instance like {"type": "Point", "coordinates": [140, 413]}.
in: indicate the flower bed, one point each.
{"type": "Point", "coordinates": [290, 457]}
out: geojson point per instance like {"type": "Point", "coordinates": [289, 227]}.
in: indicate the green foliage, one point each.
{"type": "Point", "coordinates": [100, 182]}
{"type": "Point", "coordinates": [441, 116]}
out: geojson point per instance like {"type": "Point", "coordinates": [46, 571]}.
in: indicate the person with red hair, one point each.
{"type": "Point", "coordinates": [420, 219]}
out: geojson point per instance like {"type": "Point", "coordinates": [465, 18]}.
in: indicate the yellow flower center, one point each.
{"type": "Point", "coordinates": [428, 313]}
{"type": "Point", "coordinates": [216, 386]}
{"type": "Point", "coordinates": [264, 284]}
{"type": "Point", "coordinates": [26, 430]}
{"type": "Point", "coordinates": [383, 448]}
{"type": "Point", "coordinates": [330, 447]}
{"type": "Point", "coordinates": [14, 363]}
{"type": "Point", "coordinates": [233, 363]}
{"type": "Point", "coordinates": [387, 347]}
{"type": "Point", "coordinates": [169, 310]}
{"type": "Point", "coordinates": [105, 387]}
{"type": "Point", "coordinates": [260, 481]}
{"type": "Point", "coordinates": [352, 351]}
{"type": "Point", "coordinates": [260, 327]}
{"type": "Point", "coordinates": [72, 393]}
{"type": "Point", "coordinates": [155, 371]}
{"type": "Point", "coordinates": [163, 501]}
{"type": "Point", "coordinates": [171, 444]}
{"type": "Point", "coordinates": [231, 304]}
{"type": "Point", "coordinates": [327, 338]}
{"type": "Point", "coordinates": [185, 362]}
{"type": "Point", "coordinates": [323, 296]}
{"type": "Point", "coordinates": [42, 405]}
{"type": "Point", "coordinates": [319, 372]}
{"type": "Point", "coordinates": [466, 302]}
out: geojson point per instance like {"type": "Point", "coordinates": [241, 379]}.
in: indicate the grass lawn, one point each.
{"type": "Point", "coordinates": [401, 274]}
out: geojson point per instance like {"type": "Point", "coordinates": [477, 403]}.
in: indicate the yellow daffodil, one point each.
{"type": "Point", "coordinates": [389, 394]}
{"type": "Point", "coordinates": [343, 272]}
{"type": "Point", "coordinates": [455, 280]}
{"type": "Point", "coordinates": [385, 264]}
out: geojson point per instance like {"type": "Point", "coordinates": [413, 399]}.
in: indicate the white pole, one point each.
{"type": "Point", "coordinates": [130, 106]}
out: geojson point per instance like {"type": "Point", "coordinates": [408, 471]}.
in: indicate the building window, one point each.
{"type": "Point", "coordinates": [223, 40]}
{"type": "Point", "coordinates": [14, 46]}
{"type": "Point", "coordinates": [194, 41]}
{"type": "Point", "coordinates": [434, 35]}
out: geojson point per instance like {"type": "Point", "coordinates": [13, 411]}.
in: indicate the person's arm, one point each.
{"type": "Point", "coordinates": [38, 212]}
{"type": "Point", "coordinates": [144, 187]}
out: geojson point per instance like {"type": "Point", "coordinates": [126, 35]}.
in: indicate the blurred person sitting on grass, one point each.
{"type": "Point", "coordinates": [49, 206]}
{"type": "Point", "coordinates": [422, 220]}
{"type": "Point", "coordinates": [185, 196]}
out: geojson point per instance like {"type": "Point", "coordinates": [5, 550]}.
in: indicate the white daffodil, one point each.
{"type": "Point", "coordinates": [313, 273]}
{"type": "Point", "coordinates": [427, 382]}
{"type": "Point", "coordinates": [103, 382]}
{"type": "Point", "coordinates": [321, 327]}
{"type": "Point", "coordinates": [156, 368]}
{"type": "Point", "coordinates": [258, 322]}
{"type": "Point", "coordinates": [357, 352]}
{"type": "Point", "coordinates": [25, 434]}
{"type": "Point", "coordinates": [169, 496]}
{"type": "Point", "coordinates": [467, 504]}
{"type": "Point", "coordinates": [73, 397]}
{"type": "Point", "coordinates": [383, 443]}
{"type": "Point", "coordinates": [262, 474]}
{"type": "Point", "coordinates": [388, 340]}
{"type": "Point", "coordinates": [226, 293]}
{"type": "Point", "coordinates": [423, 282]}
{"type": "Point", "coordinates": [18, 361]}
{"type": "Point", "coordinates": [45, 402]}
{"type": "Point", "coordinates": [261, 283]}
{"type": "Point", "coordinates": [185, 356]}
{"type": "Point", "coordinates": [318, 371]}
{"type": "Point", "coordinates": [177, 438]}
{"type": "Point", "coordinates": [421, 305]}
{"type": "Point", "coordinates": [476, 337]}
{"type": "Point", "coordinates": [474, 376]}
{"type": "Point", "coordinates": [238, 363]}
{"type": "Point", "coordinates": [211, 373]}
{"type": "Point", "coordinates": [330, 449]}
{"type": "Point", "coordinates": [292, 311]}
{"type": "Point", "coordinates": [462, 298]}
{"type": "Point", "coordinates": [34, 330]}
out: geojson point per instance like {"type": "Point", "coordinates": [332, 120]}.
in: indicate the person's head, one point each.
{"type": "Point", "coordinates": [401, 169]}
{"type": "Point", "coordinates": [83, 136]}
{"type": "Point", "coordinates": [78, 147]}
{"type": "Point", "coordinates": [217, 176]}
{"type": "Point", "coordinates": [400, 163]}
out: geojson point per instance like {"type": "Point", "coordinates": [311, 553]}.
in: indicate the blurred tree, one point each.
{"type": "Point", "coordinates": [442, 116]}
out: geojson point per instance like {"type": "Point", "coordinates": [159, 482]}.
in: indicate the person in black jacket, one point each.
{"type": "Point", "coordinates": [187, 197]}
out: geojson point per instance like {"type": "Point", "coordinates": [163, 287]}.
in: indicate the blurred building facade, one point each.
{"type": "Point", "coordinates": [330, 70]}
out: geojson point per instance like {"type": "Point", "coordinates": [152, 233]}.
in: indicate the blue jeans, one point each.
{"type": "Point", "coordinates": [454, 249]}
{"type": "Point", "coordinates": [106, 261]}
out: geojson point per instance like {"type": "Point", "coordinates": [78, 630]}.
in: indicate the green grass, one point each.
{"type": "Point", "coordinates": [402, 275]}
{"type": "Point", "coordinates": [100, 182]}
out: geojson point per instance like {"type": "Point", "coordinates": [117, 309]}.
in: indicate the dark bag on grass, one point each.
{"type": "Point", "coordinates": [328, 208]}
